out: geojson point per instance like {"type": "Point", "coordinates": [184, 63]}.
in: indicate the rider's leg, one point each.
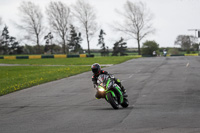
{"type": "Point", "coordinates": [118, 82]}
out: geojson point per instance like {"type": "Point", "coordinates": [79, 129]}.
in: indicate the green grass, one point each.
{"type": "Point", "coordinates": [15, 78]}
{"type": "Point", "coordinates": [69, 61]}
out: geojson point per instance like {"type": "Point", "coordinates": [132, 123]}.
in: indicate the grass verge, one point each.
{"type": "Point", "coordinates": [15, 78]}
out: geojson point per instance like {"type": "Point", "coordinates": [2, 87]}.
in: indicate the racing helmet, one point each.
{"type": "Point", "coordinates": [96, 68]}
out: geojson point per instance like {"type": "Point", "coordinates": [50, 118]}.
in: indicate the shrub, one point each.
{"type": "Point", "coordinates": [173, 51]}
{"type": "Point", "coordinates": [150, 46]}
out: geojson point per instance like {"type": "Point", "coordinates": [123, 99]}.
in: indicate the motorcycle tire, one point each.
{"type": "Point", "coordinates": [125, 103]}
{"type": "Point", "coordinates": [113, 101]}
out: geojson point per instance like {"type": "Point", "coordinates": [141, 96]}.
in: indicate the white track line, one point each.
{"type": "Point", "coordinates": [187, 64]}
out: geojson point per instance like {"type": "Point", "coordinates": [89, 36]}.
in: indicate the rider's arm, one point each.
{"type": "Point", "coordinates": [104, 72]}
{"type": "Point", "coordinates": [94, 80]}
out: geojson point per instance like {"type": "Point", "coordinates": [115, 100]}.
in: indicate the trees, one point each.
{"type": "Point", "coordinates": [1, 38]}
{"type": "Point", "coordinates": [48, 38]}
{"type": "Point", "coordinates": [149, 46]}
{"type": "Point", "coordinates": [86, 16]}
{"type": "Point", "coordinates": [5, 41]}
{"type": "Point", "coordinates": [196, 46]}
{"type": "Point", "coordinates": [185, 41]}
{"type": "Point", "coordinates": [75, 40]}
{"type": "Point", "coordinates": [137, 21]}
{"type": "Point", "coordinates": [31, 21]}
{"type": "Point", "coordinates": [28, 49]}
{"type": "Point", "coordinates": [59, 18]}
{"type": "Point", "coordinates": [49, 45]}
{"type": "Point", "coordinates": [101, 42]}
{"type": "Point", "coordinates": [9, 45]}
{"type": "Point", "coordinates": [119, 47]}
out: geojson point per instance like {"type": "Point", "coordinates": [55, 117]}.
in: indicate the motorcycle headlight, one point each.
{"type": "Point", "coordinates": [101, 89]}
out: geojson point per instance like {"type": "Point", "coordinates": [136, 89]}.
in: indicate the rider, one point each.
{"type": "Point", "coordinates": [96, 69]}
{"type": "Point", "coordinates": [164, 52]}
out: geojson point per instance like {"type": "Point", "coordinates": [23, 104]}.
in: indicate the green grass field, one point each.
{"type": "Point", "coordinates": [14, 78]}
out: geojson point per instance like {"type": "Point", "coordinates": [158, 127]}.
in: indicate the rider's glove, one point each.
{"type": "Point", "coordinates": [95, 86]}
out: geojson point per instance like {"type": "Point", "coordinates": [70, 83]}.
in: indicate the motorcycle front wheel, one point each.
{"type": "Point", "coordinates": [113, 101]}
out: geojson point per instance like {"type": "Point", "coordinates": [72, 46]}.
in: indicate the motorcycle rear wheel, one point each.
{"type": "Point", "coordinates": [113, 101]}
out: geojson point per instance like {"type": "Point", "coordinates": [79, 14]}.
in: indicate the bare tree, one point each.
{"type": "Point", "coordinates": [59, 18]}
{"type": "Point", "coordinates": [185, 41]}
{"type": "Point", "coordinates": [31, 21]}
{"type": "Point", "coordinates": [85, 14]}
{"type": "Point", "coordinates": [137, 21]}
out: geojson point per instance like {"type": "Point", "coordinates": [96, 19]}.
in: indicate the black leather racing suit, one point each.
{"type": "Point", "coordinates": [94, 77]}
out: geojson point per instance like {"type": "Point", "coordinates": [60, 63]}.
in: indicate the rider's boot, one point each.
{"type": "Point", "coordinates": [124, 91]}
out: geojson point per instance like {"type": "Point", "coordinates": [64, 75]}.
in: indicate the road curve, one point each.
{"type": "Point", "coordinates": [164, 96]}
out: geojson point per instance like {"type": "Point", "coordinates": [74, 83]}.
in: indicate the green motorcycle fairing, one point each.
{"type": "Point", "coordinates": [109, 85]}
{"type": "Point", "coordinates": [121, 95]}
{"type": "Point", "coordinates": [110, 91]}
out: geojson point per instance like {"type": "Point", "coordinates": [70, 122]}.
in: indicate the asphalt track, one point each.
{"type": "Point", "coordinates": [164, 96]}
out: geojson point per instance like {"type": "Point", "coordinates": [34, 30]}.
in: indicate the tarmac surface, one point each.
{"type": "Point", "coordinates": [164, 97]}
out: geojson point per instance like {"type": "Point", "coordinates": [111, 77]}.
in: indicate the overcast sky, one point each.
{"type": "Point", "coordinates": [171, 18]}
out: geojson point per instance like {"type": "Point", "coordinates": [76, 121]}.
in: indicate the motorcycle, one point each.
{"type": "Point", "coordinates": [108, 89]}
